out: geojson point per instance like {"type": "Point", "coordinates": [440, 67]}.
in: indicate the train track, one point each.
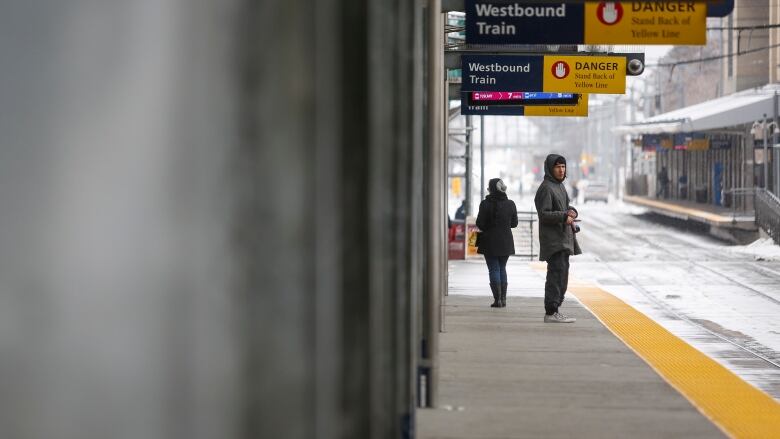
{"type": "Point", "coordinates": [756, 350]}
{"type": "Point", "coordinates": [724, 276]}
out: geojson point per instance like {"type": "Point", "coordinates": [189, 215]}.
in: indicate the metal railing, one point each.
{"type": "Point", "coordinates": [740, 200]}
{"type": "Point", "coordinates": [526, 234]}
{"type": "Point", "coordinates": [768, 213]}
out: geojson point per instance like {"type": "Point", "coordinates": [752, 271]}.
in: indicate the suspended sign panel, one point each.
{"type": "Point", "coordinates": [648, 22]}
{"type": "Point", "coordinates": [719, 8]}
{"type": "Point", "coordinates": [470, 106]}
{"type": "Point", "coordinates": [521, 98]}
{"type": "Point", "coordinates": [578, 110]}
{"type": "Point", "coordinates": [496, 22]}
{"type": "Point", "coordinates": [550, 73]}
{"type": "Point", "coordinates": [586, 74]}
{"type": "Point", "coordinates": [698, 142]}
{"type": "Point", "coordinates": [501, 72]}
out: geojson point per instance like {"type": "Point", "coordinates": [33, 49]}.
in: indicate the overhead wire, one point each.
{"type": "Point", "coordinates": [741, 28]}
{"type": "Point", "coordinates": [712, 58]}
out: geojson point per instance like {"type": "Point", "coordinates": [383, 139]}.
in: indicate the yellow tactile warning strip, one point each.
{"type": "Point", "coordinates": [739, 409]}
{"type": "Point", "coordinates": [679, 209]}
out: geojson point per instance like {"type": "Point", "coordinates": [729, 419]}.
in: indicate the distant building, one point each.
{"type": "Point", "coordinates": [742, 70]}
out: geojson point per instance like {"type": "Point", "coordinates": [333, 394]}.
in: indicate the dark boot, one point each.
{"type": "Point", "coordinates": [496, 298]}
{"type": "Point", "coordinates": [503, 295]}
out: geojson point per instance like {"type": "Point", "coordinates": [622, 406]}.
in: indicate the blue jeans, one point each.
{"type": "Point", "coordinates": [497, 268]}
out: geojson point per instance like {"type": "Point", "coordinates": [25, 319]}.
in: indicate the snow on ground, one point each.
{"type": "Point", "coordinates": [764, 249]}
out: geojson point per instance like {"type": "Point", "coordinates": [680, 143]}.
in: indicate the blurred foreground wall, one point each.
{"type": "Point", "coordinates": [210, 218]}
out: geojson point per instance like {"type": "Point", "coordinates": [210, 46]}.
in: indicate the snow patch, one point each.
{"type": "Point", "coordinates": [763, 249]}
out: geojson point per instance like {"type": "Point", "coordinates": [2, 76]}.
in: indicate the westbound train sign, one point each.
{"type": "Point", "coordinates": [634, 22]}
{"type": "Point", "coordinates": [496, 22]}
{"type": "Point", "coordinates": [545, 73]}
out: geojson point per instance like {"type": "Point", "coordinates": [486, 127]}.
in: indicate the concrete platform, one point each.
{"type": "Point", "coordinates": [506, 374]}
{"type": "Point", "coordinates": [733, 226]}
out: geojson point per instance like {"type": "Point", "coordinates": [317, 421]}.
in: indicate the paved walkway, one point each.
{"type": "Point", "coordinates": [506, 374]}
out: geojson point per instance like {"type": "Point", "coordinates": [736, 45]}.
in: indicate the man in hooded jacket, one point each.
{"type": "Point", "coordinates": [557, 239]}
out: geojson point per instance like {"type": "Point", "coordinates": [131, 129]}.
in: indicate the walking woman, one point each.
{"type": "Point", "coordinates": [497, 215]}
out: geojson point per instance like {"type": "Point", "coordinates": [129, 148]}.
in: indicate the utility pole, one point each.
{"type": "Point", "coordinates": [616, 147]}
{"type": "Point", "coordinates": [766, 155]}
{"type": "Point", "coordinates": [481, 158]}
{"type": "Point", "coordinates": [776, 151]}
{"type": "Point", "coordinates": [469, 166]}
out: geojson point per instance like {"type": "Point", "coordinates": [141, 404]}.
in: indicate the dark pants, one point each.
{"type": "Point", "coordinates": [497, 268]}
{"type": "Point", "coordinates": [557, 281]}
{"type": "Point", "coordinates": [663, 190]}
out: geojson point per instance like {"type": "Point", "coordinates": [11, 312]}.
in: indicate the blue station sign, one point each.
{"type": "Point", "coordinates": [490, 22]}
{"type": "Point", "coordinates": [502, 72]}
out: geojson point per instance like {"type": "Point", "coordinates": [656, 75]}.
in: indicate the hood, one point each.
{"type": "Point", "coordinates": [549, 162]}
{"type": "Point", "coordinates": [495, 185]}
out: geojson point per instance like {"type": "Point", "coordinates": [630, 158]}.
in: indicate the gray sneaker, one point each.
{"type": "Point", "coordinates": [558, 318]}
{"type": "Point", "coordinates": [565, 317]}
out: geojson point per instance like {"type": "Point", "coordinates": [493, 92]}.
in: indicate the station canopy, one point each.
{"type": "Point", "coordinates": [744, 107]}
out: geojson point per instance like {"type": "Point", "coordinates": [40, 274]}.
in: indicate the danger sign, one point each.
{"type": "Point", "coordinates": [646, 22]}
{"type": "Point", "coordinates": [592, 22]}
{"type": "Point", "coordinates": [591, 74]}
{"type": "Point", "coordinates": [609, 13]}
{"type": "Point", "coordinates": [560, 70]}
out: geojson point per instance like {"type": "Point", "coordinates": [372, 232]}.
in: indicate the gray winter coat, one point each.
{"type": "Point", "coordinates": [552, 202]}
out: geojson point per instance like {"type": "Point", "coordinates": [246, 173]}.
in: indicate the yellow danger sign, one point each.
{"type": "Point", "coordinates": [579, 110]}
{"type": "Point", "coordinates": [646, 22]}
{"type": "Point", "coordinates": [585, 74]}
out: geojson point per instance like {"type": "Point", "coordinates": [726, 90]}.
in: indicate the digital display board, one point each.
{"type": "Point", "coordinates": [525, 98]}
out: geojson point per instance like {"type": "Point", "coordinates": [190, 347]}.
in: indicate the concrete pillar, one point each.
{"type": "Point", "coordinates": [118, 126]}
{"type": "Point", "coordinates": [435, 200]}
{"type": "Point", "coordinates": [213, 221]}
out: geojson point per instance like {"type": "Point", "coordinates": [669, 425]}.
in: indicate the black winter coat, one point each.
{"type": "Point", "coordinates": [552, 202]}
{"type": "Point", "coordinates": [497, 216]}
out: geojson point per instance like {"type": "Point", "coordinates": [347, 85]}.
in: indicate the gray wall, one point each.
{"type": "Point", "coordinates": [750, 69]}
{"type": "Point", "coordinates": [211, 218]}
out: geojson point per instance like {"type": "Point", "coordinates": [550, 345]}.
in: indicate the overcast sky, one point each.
{"type": "Point", "coordinates": [653, 53]}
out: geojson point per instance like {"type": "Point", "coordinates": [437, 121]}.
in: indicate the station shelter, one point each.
{"type": "Point", "coordinates": [711, 153]}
